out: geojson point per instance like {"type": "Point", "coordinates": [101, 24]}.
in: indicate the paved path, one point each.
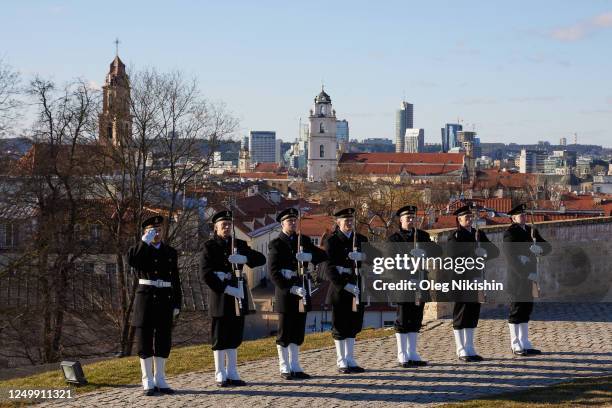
{"type": "Point", "coordinates": [577, 340]}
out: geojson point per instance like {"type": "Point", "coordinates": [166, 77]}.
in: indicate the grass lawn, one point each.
{"type": "Point", "coordinates": [583, 392]}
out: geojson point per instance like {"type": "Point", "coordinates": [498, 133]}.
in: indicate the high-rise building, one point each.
{"type": "Point", "coordinates": [414, 141]}
{"type": "Point", "coordinates": [449, 136]}
{"type": "Point", "coordinates": [469, 142]}
{"type": "Point", "coordinates": [532, 161]}
{"type": "Point", "coordinates": [322, 153]}
{"type": "Point", "coordinates": [279, 151]}
{"type": "Point", "coordinates": [262, 146]}
{"type": "Point", "coordinates": [342, 134]}
{"type": "Point", "coordinates": [404, 119]}
{"type": "Point", "coordinates": [563, 141]}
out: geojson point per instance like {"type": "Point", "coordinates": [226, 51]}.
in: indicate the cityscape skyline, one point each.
{"type": "Point", "coordinates": [532, 77]}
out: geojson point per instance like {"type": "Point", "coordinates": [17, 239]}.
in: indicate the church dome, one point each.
{"type": "Point", "coordinates": [322, 97]}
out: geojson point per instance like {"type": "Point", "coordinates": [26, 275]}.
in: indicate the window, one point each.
{"type": "Point", "coordinates": [111, 269]}
{"type": "Point", "coordinates": [322, 109]}
{"type": "Point", "coordinates": [88, 268]}
{"type": "Point", "coordinates": [321, 151]}
{"type": "Point", "coordinates": [94, 232]}
{"type": "Point", "coordinates": [321, 129]}
{"type": "Point", "coordinates": [315, 241]}
{"type": "Point", "coordinates": [109, 132]}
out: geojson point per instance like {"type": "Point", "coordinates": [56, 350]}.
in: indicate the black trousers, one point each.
{"type": "Point", "coordinates": [291, 327]}
{"type": "Point", "coordinates": [520, 312]}
{"type": "Point", "coordinates": [465, 315]}
{"type": "Point", "coordinates": [345, 322]}
{"type": "Point", "coordinates": [226, 332]}
{"type": "Point", "coordinates": [153, 341]}
{"type": "Point", "coordinates": [409, 317]}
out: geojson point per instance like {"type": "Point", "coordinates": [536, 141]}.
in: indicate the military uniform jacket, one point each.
{"type": "Point", "coordinates": [425, 243]}
{"type": "Point", "coordinates": [153, 306]}
{"type": "Point", "coordinates": [282, 251]}
{"type": "Point", "coordinates": [214, 259]}
{"type": "Point", "coordinates": [516, 243]}
{"type": "Point", "coordinates": [431, 248]}
{"type": "Point", "coordinates": [457, 248]}
{"type": "Point", "coordinates": [337, 247]}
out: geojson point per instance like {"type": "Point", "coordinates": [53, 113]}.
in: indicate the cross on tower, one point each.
{"type": "Point", "coordinates": [117, 47]}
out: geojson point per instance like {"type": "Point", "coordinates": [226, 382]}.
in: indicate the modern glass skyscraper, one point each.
{"type": "Point", "coordinates": [404, 119]}
{"type": "Point", "coordinates": [342, 134]}
{"type": "Point", "coordinates": [449, 136]}
{"type": "Point", "coordinates": [262, 146]}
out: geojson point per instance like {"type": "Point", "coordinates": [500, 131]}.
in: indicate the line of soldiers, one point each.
{"type": "Point", "coordinates": [158, 296]}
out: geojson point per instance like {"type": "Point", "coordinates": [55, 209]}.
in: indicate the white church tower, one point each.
{"type": "Point", "coordinates": [322, 155]}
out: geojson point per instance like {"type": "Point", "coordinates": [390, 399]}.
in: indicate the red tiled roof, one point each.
{"type": "Point", "coordinates": [402, 158]}
{"type": "Point", "coordinates": [397, 169]}
{"type": "Point", "coordinates": [268, 167]}
{"type": "Point", "coordinates": [263, 175]}
{"type": "Point", "coordinates": [495, 178]}
{"type": "Point", "coordinates": [317, 225]}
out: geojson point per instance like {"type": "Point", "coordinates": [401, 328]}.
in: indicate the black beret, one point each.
{"type": "Point", "coordinates": [225, 215]}
{"type": "Point", "coordinates": [345, 213]}
{"type": "Point", "coordinates": [519, 209]}
{"type": "Point", "coordinates": [153, 221]}
{"type": "Point", "coordinates": [408, 209]}
{"type": "Point", "coordinates": [287, 213]}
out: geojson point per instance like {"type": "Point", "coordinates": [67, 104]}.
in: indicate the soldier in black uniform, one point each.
{"type": "Point", "coordinates": [284, 256]}
{"type": "Point", "coordinates": [410, 314]}
{"type": "Point", "coordinates": [519, 251]}
{"type": "Point", "coordinates": [467, 311]}
{"type": "Point", "coordinates": [157, 303]}
{"type": "Point", "coordinates": [227, 327]}
{"type": "Point", "coordinates": [344, 288]}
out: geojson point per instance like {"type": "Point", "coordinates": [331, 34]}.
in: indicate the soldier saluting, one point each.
{"type": "Point", "coordinates": [227, 291]}
{"type": "Point", "coordinates": [157, 303]}
{"type": "Point", "coordinates": [522, 245]}
{"type": "Point", "coordinates": [344, 257]}
{"type": "Point", "coordinates": [410, 314]}
{"type": "Point", "coordinates": [466, 311]}
{"type": "Point", "coordinates": [292, 290]}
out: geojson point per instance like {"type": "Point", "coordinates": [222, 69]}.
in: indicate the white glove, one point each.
{"type": "Point", "coordinates": [298, 290]}
{"type": "Point", "coordinates": [148, 236]}
{"type": "Point", "coordinates": [349, 287]}
{"type": "Point", "coordinates": [357, 256]}
{"type": "Point", "coordinates": [222, 275]}
{"type": "Point", "coordinates": [303, 256]}
{"type": "Point", "coordinates": [524, 259]}
{"type": "Point", "coordinates": [233, 291]}
{"type": "Point", "coordinates": [536, 249]}
{"type": "Point", "coordinates": [176, 312]}
{"type": "Point", "coordinates": [237, 259]}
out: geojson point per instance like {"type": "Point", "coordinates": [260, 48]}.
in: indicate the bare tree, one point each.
{"type": "Point", "coordinates": [9, 93]}
{"type": "Point", "coordinates": [49, 181]}
{"type": "Point", "coordinates": [175, 132]}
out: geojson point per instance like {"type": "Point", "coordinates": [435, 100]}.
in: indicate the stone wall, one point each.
{"type": "Point", "coordinates": [586, 230]}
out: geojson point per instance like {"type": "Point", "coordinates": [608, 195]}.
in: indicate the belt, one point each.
{"type": "Point", "coordinates": [288, 273]}
{"type": "Point", "coordinates": [342, 269]}
{"type": "Point", "coordinates": [223, 275]}
{"type": "Point", "coordinates": [157, 283]}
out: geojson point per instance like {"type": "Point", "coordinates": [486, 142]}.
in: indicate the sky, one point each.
{"type": "Point", "coordinates": [519, 71]}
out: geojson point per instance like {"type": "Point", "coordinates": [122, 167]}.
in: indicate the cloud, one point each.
{"type": "Point", "coordinates": [535, 99]}
{"type": "Point", "coordinates": [476, 101]}
{"type": "Point", "coordinates": [596, 111]}
{"type": "Point", "coordinates": [462, 48]}
{"type": "Point", "coordinates": [582, 29]}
